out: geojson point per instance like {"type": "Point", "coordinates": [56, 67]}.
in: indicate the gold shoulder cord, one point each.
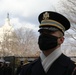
{"type": "Point", "coordinates": [73, 71]}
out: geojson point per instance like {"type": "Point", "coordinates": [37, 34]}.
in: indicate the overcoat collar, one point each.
{"type": "Point", "coordinates": [58, 67]}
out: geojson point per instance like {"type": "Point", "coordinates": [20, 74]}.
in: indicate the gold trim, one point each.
{"type": "Point", "coordinates": [53, 24]}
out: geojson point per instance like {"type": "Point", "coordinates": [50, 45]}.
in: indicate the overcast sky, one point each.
{"type": "Point", "coordinates": [24, 12]}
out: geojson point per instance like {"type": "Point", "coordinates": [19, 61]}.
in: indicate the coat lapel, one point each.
{"type": "Point", "coordinates": [59, 67]}
{"type": "Point", "coordinates": [37, 68]}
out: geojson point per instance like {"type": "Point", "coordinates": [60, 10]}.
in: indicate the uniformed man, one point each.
{"type": "Point", "coordinates": [2, 67]}
{"type": "Point", "coordinates": [51, 61]}
{"type": "Point", "coordinates": [19, 67]}
{"type": "Point", "coordinates": [7, 68]}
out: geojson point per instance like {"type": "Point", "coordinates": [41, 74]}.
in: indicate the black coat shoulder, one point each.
{"type": "Point", "coordinates": [70, 64]}
{"type": "Point", "coordinates": [62, 66]}
{"type": "Point", "coordinates": [26, 70]}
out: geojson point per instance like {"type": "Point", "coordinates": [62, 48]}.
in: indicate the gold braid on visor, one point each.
{"type": "Point", "coordinates": [52, 23]}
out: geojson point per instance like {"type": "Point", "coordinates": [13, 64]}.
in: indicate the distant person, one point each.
{"type": "Point", "coordinates": [7, 68]}
{"type": "Point", "coordinates": [19, 68]}
{"type": "Point", "coordinates": [51, 61]}
{"type": "Point", "coordinates": [1, 67]}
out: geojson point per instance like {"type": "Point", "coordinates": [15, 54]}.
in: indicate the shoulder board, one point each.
{"type": "Point", "coordinates": [30, 63]}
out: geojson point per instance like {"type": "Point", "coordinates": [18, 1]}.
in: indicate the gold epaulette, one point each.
{"type": "Point", "coordinates": [26, 63]}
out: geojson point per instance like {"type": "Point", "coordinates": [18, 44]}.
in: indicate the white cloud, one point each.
{"type": "Point", "coordinates": [24, 12]}
{"type": "Point", "coordinates": [24, 7]}
{"type": "Point", "coordinates": [31, 26]}
{"type": "Point", "coordinates": [15, 23]}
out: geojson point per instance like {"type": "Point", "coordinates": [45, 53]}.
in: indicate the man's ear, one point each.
{"type": "Point", "coordinates": [61, 40]}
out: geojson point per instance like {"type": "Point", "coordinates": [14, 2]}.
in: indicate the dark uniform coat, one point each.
{"type": "Point", "coordinates": [1, 70]}
{"type": "Point", "coordinates": [19, 69]}
{"type": "Point", "coordinates": [62, 66]}
{"type": "Point", "coordinates": [7, 70]}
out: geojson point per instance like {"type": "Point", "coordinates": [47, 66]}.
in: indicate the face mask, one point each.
{"type": "Point", "coordinates": [47, 42]}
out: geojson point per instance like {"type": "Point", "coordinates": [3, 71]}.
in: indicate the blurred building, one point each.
{"type": "Point", "coordinates": [5, 32]}
{"type": "Point", "coordinates": [9, 42]}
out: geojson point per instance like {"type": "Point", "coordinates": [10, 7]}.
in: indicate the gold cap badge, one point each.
{"type": "Point", "coordinates": [46, 16]}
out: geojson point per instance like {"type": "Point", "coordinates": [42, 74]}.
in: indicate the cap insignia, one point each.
{"type": "Point", "coordinates": [46, 16]}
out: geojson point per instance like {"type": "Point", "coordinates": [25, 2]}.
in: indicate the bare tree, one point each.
{"type": "Point", "coordinates": [68, 8]}
{"type": "Point", "coordinates": [22, 42]}
{"type": "Point", "coordinates": [9, 43]}
{"type": "Point", "coordinates": [28, 41]}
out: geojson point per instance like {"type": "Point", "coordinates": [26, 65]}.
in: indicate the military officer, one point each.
{"type": "Point", "coordinates": [51, 61]}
